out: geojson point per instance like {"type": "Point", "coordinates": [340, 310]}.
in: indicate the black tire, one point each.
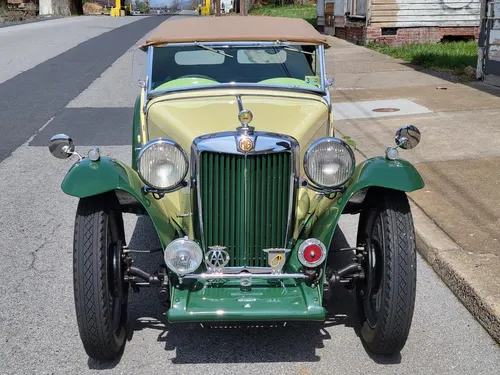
{"type": "Point", "coordinates": [101, 307]}
{"type": "Point", "coordinates": [386, 305]}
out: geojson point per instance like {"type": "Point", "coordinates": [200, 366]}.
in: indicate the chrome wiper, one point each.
{"type": "Point", "coordinates": [212, 49]}
{"type": "Point", "coordinates": [298, 50]}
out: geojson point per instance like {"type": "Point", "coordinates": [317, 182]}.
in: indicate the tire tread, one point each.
{"type": "Point", "coordinates": [399, 282]}
{"type": "Point", "coordinates": [90, 284]}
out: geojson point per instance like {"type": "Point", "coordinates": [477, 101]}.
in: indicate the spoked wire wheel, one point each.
{"type": "Point", "coordinates": [370, 287]}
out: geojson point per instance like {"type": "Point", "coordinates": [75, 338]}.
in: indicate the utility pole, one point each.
{"type": "Point", "coordinates": [217, 8]}
{"type": "Point", "coordinates": [243, 8]}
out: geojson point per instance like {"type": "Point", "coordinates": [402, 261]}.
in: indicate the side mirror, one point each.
{"type": "Point", "coordinates": [61, 146]}
{"type": "Point", "coordinates": [407, 137]}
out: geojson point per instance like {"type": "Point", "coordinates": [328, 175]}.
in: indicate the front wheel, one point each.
{"type": "Point", "coordinates": [386, 296]}
{"type": "Point", "coordinates": [99, 289]}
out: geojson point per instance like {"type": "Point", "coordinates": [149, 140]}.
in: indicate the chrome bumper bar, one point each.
{"type": "Point", "coordinates": [244, 275]}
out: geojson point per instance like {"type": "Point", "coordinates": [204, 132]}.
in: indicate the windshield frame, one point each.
{"type": "Point", "coordinates": [323, 89]}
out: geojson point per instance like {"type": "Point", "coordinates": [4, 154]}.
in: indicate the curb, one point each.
{"type": "Point", "coordinates": [25, 22]}
{"type": "Point", "coordinates": [478, 290]}
{"type": "Point", "coordinates": [475, 288]}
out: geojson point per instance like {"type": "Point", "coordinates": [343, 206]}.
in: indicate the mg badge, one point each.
{"type": "Point", "coordinates": [216, 259]}
{"type": "Point", "coordinates": [246, 144]}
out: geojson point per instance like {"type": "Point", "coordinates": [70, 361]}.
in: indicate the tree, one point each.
{"type": "Point", "coordinates": [142, 7]}
{"type": "Point", "coordinates": [243, 8]}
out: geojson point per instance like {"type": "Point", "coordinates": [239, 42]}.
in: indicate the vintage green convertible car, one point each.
{"type": "Point", "coordinates": [236, 163]}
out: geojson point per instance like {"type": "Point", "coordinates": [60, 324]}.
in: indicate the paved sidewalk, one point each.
{"type": "Point", "coordinates": [457, 214]}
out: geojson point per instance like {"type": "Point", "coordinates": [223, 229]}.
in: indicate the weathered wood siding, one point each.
{"type": "Point", "coordinates": [340, 7]}
{"type": "Point", "coordinates": [354, 7]}
{"type": "Point", "coordinates": [422, 13]}
{"type": "Point", "coordinates": [360, 8]}
{"type": "Point", "coordinates": [339, 12]}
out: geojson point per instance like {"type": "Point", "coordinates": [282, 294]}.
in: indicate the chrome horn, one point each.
{"type": "Point", "coordinates": [62, 146]}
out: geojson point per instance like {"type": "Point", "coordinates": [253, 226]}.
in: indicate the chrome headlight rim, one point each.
{"type": "Point", "coordinates": [182, 241]}
{"type": "Point", "coordinates": [172, 143]}
{"type": "Point", "coordinates": [329, 140]}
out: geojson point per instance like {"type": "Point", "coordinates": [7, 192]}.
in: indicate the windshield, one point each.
{"type": "Point", "coordinates": [175, 67]}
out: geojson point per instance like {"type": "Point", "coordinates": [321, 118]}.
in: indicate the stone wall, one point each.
{"type": "Point", "coordinates": [355, 34]}
{"type": "Point", "coordinates": [406, 35]}
{"type": "Point", "coordinates": [363, 35]}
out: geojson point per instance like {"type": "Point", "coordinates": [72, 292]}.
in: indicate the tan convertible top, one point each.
{"type": "Point", "coordinates": [235, 29]}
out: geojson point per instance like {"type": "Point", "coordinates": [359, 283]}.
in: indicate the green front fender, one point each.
{"type": "Point", "coordinates": [87, 178]}
{"type": "Point", "coordinates": [376, 172]}
{"type": "Point", "coordinates": [381, 172]}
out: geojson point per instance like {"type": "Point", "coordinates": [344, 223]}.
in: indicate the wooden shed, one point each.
{"type": "Point", "coordinates": [399, 21]}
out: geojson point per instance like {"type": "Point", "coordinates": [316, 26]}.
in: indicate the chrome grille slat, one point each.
{"type": "Point", "coordinates": [252, 213]}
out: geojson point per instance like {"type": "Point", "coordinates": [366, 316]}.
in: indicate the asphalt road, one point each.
{"type": "Point", "coordinates": [38, 333]}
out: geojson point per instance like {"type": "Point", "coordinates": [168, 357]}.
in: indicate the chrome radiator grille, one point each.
{"type": "Point", "coordinates": [245, 202]}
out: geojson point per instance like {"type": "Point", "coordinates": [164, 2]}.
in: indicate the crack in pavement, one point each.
{"type": "Point", "coordinates": [50, 236]}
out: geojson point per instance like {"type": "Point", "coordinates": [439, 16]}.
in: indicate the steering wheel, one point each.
{"type": "Point", "coordinates": [197, 76]}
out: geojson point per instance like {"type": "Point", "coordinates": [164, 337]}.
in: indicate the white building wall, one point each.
{"type": "Point", "coordinates": [421, 13]}
{"type": "Point", "coordinates": [54, 7]}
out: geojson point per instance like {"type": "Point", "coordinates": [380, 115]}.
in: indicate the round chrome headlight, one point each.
{"type": "Point", "coordinates": [329, 162]}
{"type": "Point", "coordinates": [183, 256]}
{"type": "Point", "coordinates": [162, 164]}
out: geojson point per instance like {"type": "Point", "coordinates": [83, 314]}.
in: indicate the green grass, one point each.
{"type": "Point", "coordinates": [448, 57]}
{"type": "Point", "coordinates": [351, 142]}
{"type": "Point", "coordinates": [306, 12]}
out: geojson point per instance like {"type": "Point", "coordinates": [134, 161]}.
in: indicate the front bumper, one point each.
{"type": "Point", "coordinates": [227, 301]}
{"type": "Point", "coordinates": [245, 276]}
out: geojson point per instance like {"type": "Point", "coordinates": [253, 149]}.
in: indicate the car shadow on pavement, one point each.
{"type": "Point", "coordinates": [294, 342]}
{"type": "Point", "coordinates": [342, 306]}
